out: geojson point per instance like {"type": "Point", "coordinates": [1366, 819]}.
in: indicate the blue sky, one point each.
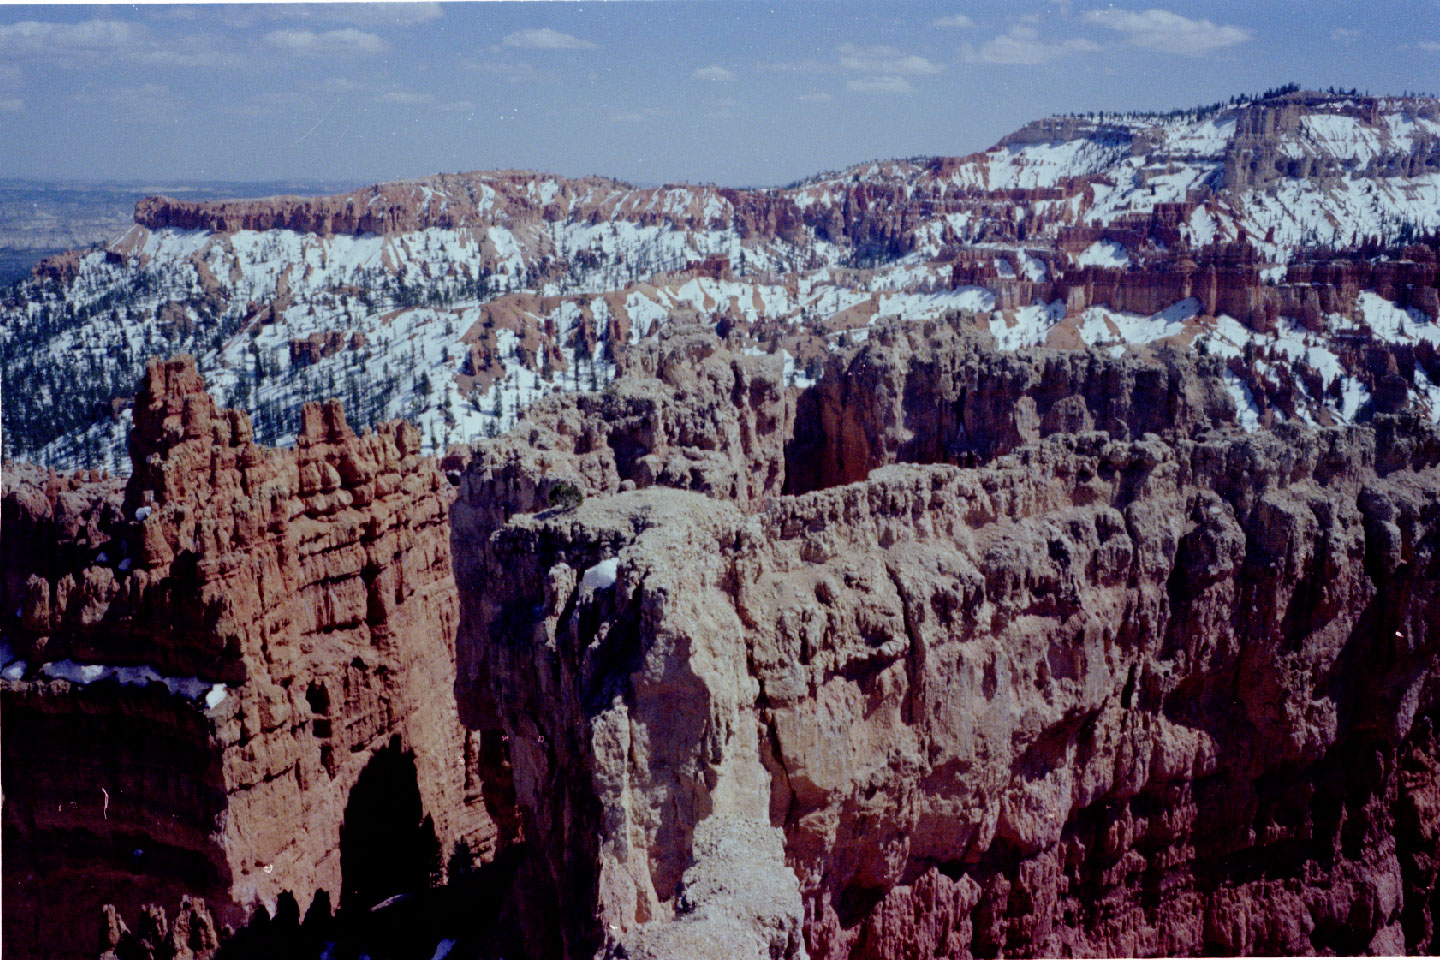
{"type": "Point", "coordinates": [737, 93]}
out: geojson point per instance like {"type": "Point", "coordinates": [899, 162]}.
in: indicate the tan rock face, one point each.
{"type": "Point", "coordinates": [220, 658]}
{"type": "Point", "coordinates": [1100, 692]}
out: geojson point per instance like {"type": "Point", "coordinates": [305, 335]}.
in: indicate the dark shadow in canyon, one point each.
{"type": "Point", "coordinates": [387, 841]}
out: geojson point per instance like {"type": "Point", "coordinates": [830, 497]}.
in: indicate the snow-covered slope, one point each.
{"type": "Point", "coordinates": [458, 299]}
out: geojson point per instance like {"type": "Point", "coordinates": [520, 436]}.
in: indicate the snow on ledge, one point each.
{"type": "Point", "coordinates": [84, 674]}
{"type": "Point", "coordinates": [1104, 253]}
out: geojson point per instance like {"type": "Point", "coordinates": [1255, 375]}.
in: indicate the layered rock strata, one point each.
{"type": "Point", "coordinates": [958, 653]}
{"type": "Point", "coordinates": [220, 677]}
{"type": "Point", "coordinates": [1101, 689]}
{"type": "Point", "coordinates": [1226, 279]}
{"type": "Point", "coordinates": [1249, 146]}
{"type": "Point", "coordinates": [938, 393]}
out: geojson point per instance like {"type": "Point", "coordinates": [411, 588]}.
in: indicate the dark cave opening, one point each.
{"type": "Point", "coordinates": [388, 844]}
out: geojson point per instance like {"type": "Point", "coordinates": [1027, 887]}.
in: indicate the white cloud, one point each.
{"type": "Point", "coordinates": [956, 21]}
{"type": "Point", "coordinates": [1022, 45]}
{"type": "Point", "coordinates": [97, 41]}
{"type": "Point", "coordinates": [196, 51]}
{"type": "Point", "coordinates": [715, 73]}
{"type": "Point", "coordinates": [1168, 32]}
{"type": "Point", "coordinates": [880, 85]}
{"type": "Point", "coordinates": [1344, 33]}
{"type": "Point", "coordinates": [1429, 46]}
{"type": "Point", "coordinates": [11, 104]}
{"type": "Point", "coordinates": [886, 60]}
{"type": "Point", "coordinates": [341, 85]}
{"type": "Point", "coordinates": [796, 66]}
{"type": "Point", "coordinates": [157, 12]}
{"type": "Point", "coordinates": [456, 106]}
{"type": "Point", "coordinates": [93, 38]}
{"type": "Point", "coordinates": [346, 41]}
{"type": "Point", "coordinates": [544, 38]}
{"type": "Point", "coordinates": [372, 14]}
{"type": "Point", "coordinates": [247, 15]}
{"type": "Point", "coordinates": [815, 98]}
{"type": "Point", "coordinates": [406, 98]}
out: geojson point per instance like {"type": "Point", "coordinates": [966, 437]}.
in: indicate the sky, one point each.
{"type": "Point", "coordinates": [736, 93]}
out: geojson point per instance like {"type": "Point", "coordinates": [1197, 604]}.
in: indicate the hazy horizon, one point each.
{"type": "Point", "coordinates": [737, 93]}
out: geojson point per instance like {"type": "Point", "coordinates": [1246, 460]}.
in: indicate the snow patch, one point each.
{"type": "Point", "coordinates": [1247, 414]}
{"type": "Point", "coordinates": [1353, 396]}
{"type": "Point", "coordinates": [1104, 253]}
{"type": "Point", "coordinates": [1030, 328]}
{"type": "Point", "coordinates": [1429, 391]}
{"type": "Point", "coordinates": [1099, 324]}
{"type": "Point", "coordinates": [11, 667]}
{"type": "Point", "coordinates": [601, 576]}
{"type": "Point", "coordinates": [1394, 324]}
{"type": "Point", "coordinates": [84, 674]}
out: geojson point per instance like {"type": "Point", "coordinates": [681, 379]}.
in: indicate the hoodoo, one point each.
{"type": "Point", "coordinates": [209, 663]}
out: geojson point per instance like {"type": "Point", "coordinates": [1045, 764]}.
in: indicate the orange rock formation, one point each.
{"type": "Point", "coordinates": [218, 664]}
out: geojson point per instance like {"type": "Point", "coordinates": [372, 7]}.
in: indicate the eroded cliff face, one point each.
{"type": "Point", "coordinates": [957, 653]}
{"type": "Point", "coordinates": [210, 669]}
{"type": "Point", "coordinates": [1226, 279]}
{"type": "Point", "coordinates": [689, 414]}
{"type": "Point", "coordinates": [936, 393]}
{"type": "Point", "coordinates": [1127, 681]}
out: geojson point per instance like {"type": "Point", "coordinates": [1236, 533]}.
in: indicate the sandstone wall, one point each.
{"type": "Point", "coordinates": [688, 413]}
{"type": "Point", "coordinates": [295, 613]}
{"type": "Point", "coordinates": [938, 394]}
{"type": "Point", "coordinates": [960, 654]}
{"type": "Point", "coordinates": [1225, 278]}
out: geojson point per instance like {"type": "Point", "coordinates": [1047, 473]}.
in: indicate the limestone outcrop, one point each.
{"type": "Point", "coordinates": [1089, 688]}
{"type": "Point", "coordinates": [208, 670]}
